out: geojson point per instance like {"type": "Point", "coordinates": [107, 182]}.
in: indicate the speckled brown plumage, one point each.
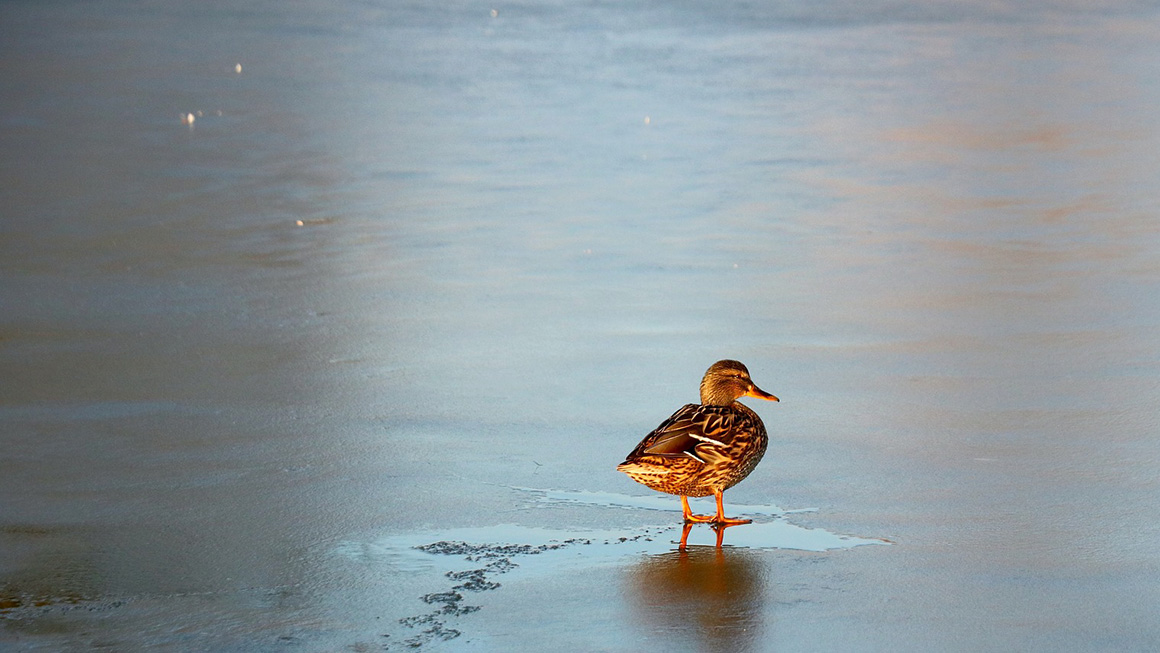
{"type": "Point", "coordinates": [704, 448]}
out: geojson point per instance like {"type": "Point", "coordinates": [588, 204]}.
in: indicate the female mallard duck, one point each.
{"type": "Point", "coordinates": [704, 449]}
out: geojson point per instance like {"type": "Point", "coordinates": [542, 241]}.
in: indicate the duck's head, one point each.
{"type": "Point", "coordinates": [726, 381]}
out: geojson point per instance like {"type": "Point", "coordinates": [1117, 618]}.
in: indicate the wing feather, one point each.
{"type": "Point", "coordinates": [694, 431]}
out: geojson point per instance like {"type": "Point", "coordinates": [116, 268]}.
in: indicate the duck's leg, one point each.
{"type": "Point", "coordinates": [721, 518]}
{"type": "Point", "coordinates": [690, 518]}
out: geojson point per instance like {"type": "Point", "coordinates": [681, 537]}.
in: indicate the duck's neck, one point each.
{"type": "Point", "coordinates": [717, 395]}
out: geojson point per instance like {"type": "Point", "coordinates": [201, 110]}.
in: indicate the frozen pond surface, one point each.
{"type": "Point", "coordinates": [423, 273]}
{"type": "Point", "coordinates": [711, 583]}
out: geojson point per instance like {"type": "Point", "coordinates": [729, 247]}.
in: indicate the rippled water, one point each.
{"type": "Point", "coordinates": [414, 257]}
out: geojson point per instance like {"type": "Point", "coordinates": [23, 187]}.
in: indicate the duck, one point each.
{"type": "Point", "coordinates": [704, 449]}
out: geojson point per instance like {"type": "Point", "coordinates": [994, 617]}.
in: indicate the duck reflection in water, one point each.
{"type": "Point", "coordinates": [706, 598]}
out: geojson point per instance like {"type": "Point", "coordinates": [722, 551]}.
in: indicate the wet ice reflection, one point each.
{"type": "Point", "coordinates": [710, 597]}
{"type": "Point", "coordinates": [714, 571]}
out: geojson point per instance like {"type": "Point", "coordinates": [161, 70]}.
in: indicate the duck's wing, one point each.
{"type": "Point", "coordinates": [692, 426]}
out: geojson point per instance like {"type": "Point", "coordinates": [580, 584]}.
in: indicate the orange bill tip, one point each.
{"type": "Point", "coordinates": [760, 394]}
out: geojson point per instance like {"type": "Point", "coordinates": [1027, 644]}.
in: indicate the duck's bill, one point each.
{"type": "Point", "coordinates": [760, 394]}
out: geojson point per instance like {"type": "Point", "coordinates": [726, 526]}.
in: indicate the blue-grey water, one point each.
{"type": "Point", "coordinates": [423, 272]}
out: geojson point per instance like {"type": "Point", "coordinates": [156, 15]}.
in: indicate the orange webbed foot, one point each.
{"type": "Point", "coordinates": [690, 518]}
